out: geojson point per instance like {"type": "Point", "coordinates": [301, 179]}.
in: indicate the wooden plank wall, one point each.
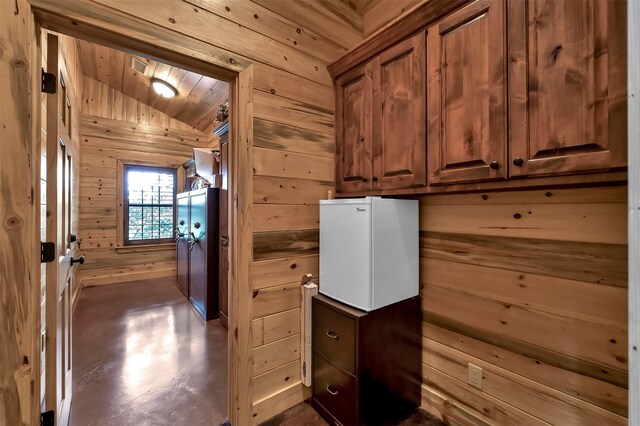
{"type": "Point", "coordinates": [378, 13]}
{"type": "Point", "coordinates": [531, 287]}
{"type": "Point", "coordinates": [116, 128]}
{"type": "Point", "coordinates": [74, 84]}
{"type": "Point", "coordinates": [288, 45]}
{"type": "Point", "coordinates": [293, 162]}
{"type": "Point", "coordinates": [19, 254]}
{"type": "Point", "coordinates": [633, 99]}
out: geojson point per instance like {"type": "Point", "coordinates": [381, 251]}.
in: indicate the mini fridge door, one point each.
{"type": "Point", "coordinates": [345, 251]}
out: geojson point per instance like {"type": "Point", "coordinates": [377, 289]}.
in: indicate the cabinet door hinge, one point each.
{"type": "Point", "coordinates": [48, 82]}
{"type": "Point", "coordinates": [47, 418]}
{"type": "Point", "coordinates": [47, 252]}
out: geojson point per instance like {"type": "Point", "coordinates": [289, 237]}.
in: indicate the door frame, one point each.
{"type": "Point", "coordinates": [124, 32]}
{"type": "Point", "coordinates": [633, 96]}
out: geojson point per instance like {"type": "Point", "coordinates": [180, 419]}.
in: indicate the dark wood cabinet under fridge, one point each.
{"type": "Point", "coordinates": [197, 236]}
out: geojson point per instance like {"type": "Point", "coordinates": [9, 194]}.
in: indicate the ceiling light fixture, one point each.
{"type": "Point", "coordinates": [163, 88]}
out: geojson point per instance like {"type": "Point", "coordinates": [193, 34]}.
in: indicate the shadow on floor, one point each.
{"type": "Point", "coordinates": [304, 415]}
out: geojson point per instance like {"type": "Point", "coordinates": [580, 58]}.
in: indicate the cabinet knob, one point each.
{"type": "Point", "coordinates": [361, 138]}
{"type": "Point", "coordinates": [365, 180]}
{"type": "Point", "coordinates": [518, 161]}
{"type": "Point", "coordinates": [375, 178]}
{"type": "Point", "coordinates": [494, 165]}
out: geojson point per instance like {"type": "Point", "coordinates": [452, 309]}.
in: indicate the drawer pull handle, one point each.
{"type": "Point", "coordinates": [332, 335]}
{"type": "Point", "coordinates": [334, 393]}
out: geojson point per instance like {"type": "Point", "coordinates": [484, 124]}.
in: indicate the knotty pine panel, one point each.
{"type": "Point", "coordinates": [274, 379]}
{"type": "Point", "coordinates": [111, 135]}
{"type": "Point", "coordinates": [288, 48]}
{"type": "Point", "coordinates": [275, 327]}
{"type": "Point", "coordinates": [276, 354]}
{"type": "Point", "coordinates": [541, 310]}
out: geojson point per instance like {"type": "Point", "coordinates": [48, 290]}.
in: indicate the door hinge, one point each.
{"type": "Point", "coordinates": [47, 252]}
{"type": "Point", "coordinates": [48, 82]}
{"type": "Point", "coordinates": [47, 418]}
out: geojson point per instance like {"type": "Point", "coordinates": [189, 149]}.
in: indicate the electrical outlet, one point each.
{"type": "Point", "coordinates": [475, 376]}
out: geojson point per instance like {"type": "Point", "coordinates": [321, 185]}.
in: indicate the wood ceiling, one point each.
{"type": "Point", "coordinates": [196, 103]}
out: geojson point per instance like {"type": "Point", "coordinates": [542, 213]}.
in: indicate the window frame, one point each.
{"type": "Point", "coordinates": [126, 167]}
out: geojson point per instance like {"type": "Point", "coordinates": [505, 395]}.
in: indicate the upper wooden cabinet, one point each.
{"type": "Point", "coordinates": [380, 121]}
{"type": "Point", "coordinates": [485, 94]}
{"type": "Point", "coordinates": [467, 95]}
{"type": "Point", "coordinates": [568, 86]}
{"type": "Point", "coordinates": [399, 142]}
{"type": "Point", "coordinates": [354, 133]}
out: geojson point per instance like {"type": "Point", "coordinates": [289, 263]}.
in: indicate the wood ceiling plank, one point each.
{"type": "Point", "coordinates": [184, 90]}
{"type": "Point", "coordinates": [199, 91]}
{"type": "Point", "coordinates": [103, 63]}
{"type": "Point", "coordinates": [196, 103]}
{"type": "Point", "coordinates": [116, 69]}
{"type": "Point", "coordinates": [205, 114]}
{"type": "Point", "coordinates": [129, 78]}
{"type": "Point", "coordinates": [142, 83]}
{"type": "Point", "coordinates": [86, 52]}
{"type": "Point", "coordinates": [176, 76]}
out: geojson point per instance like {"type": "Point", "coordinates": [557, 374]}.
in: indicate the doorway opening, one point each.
{"type": "Point", "coordinates": [145, 340]}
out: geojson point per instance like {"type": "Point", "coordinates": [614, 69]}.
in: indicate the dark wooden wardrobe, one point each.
{"type": "Point", "coordinates": [197, 244]}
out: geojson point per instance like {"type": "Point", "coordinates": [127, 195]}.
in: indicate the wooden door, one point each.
{"type": "Point", "coordinates": [399, 120]}
{"type": "Point", "coordinates": [224, 201]}
{"type": "Point", "coordinates": [354, 131]}
{"type": "Point", "coordinates": [466, 95]}
{"type": "Point", "coordinates": [59, 272]}
{"type": "Point", "coordinates": [224, 281]}
{"type": "Point", "coordinates": [568, 86]}
{"type": "Point", "coordinates": [182, 245]}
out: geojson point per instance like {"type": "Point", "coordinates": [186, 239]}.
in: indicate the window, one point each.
{"type": "Point", "coordinates": [149, 194]}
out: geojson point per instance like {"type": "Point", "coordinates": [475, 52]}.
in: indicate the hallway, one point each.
{"type": "Point", "coordinates": [142, 356]}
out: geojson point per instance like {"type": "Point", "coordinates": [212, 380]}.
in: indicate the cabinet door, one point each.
{"type": "Point", "coordinates": [399, 142]}
{"type": "Point", "coordinates": [198, 253]}
{"type": "Point", "coordinates": [354, 130]}
{"type": "Point", "coordinates": [466, 95]}
{"type": "Point", "coordinates": [568, 79]}
{"type": "Point", "coordinates": [182, 245]}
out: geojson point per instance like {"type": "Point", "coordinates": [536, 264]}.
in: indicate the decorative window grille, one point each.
{"type": "Point", "coordinates": [149, 211]}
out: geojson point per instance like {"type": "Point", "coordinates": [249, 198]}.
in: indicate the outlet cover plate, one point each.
{"type": "Point", "coordinates": [475, 376]}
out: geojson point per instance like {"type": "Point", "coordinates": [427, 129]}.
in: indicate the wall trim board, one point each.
{"type": "Point", "coordinates": [633, 66]}
{"type": "Point", "coordinates": [279, 401]}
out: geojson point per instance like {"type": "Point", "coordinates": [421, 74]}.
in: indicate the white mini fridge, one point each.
{"type": "Point", "coordinates": [369, 251]}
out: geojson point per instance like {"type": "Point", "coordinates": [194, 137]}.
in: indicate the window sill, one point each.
{"type": "Point", "coordinates": [145, 247]}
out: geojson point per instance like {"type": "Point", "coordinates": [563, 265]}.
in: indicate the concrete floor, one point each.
{"type": "Point", "coordinates": [143, 356]}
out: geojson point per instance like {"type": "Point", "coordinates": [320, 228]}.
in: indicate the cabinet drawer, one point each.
{"type": "Point", "coordinates": [334, 390]}
{"type": "Point", "coordinates": [334, 336]}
